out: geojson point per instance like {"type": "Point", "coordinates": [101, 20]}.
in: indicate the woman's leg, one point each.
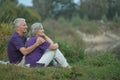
{"type": "Point", "coordinates": [50, 55]}
{"type": "Point", "coordinates": [60, 58]}
{"type": "Point", "coordinates": [47, 57]}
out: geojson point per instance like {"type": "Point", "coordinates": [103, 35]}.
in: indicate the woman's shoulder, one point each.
{"type": "Point", "coordinates": [34, 38]}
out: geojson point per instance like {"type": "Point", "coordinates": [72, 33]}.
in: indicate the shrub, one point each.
{"type": "Point", "coordinates": [104, 18]}
{"type": "Point", "coordinates": [5, 31]}
{"type": "Point", "coordinates": [76, 21]}
{"type": "Point", "coordinates": [72, 51]}
{"type": "Point", "coordinates": [116, 18]}
{"type": "Point", "coordinates": [101, 59]}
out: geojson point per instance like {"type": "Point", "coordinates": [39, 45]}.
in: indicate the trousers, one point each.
{"type": "Point", "coordinates": [54, 55]}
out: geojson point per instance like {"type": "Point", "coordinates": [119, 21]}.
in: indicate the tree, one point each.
{"type": "Point", "coordinates": [9, 10]}
{"type": "Point", "coordinates": [65, 8]}
{"type": "Point", "coordinates": [42, 7]}
{"type": "Point", "coordinates": [111, 9]}
{"type": "Point", "coordinates": [93, 9]}
{"type": "Point", "coordinates": [4, 1]}
{"type": "Point", "coordinates": [118, 7]}
{"type": "Point", "coordinates": [54, 8]}
{"type": "Point", "coordinates": [27, 13]}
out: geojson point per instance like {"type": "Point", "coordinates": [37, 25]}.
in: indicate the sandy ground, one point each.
{"type": "Point", "coordinates": [103, 42]}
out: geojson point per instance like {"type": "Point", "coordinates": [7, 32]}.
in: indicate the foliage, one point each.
{"type": "Point", "coordinates": [117, 7]}
{"type": "Point", "coordinates": [79, 71]}
{"type": "Point", "coordinates": [7, 10]}
{"type": "Point", "coordinates": [101, 59]}
{"type": "Point", "coordinates": [10, 10]}
{"type": "Point", "coordinates": [94, 9]}
{"type": "Point", "coordinates": [30, 15]}
{"type": "Point", "coordinates": [99, 66]}
{"type": "Point", "coordinates": [7, 1]}
{"type": "Point", "coordinates": [55, 8]}
{"type": "Point", "coordinates": [116, 18]}
{"type": "Point", "coordinates": [5, 31]}
{"type": "Point", "coordinates": [76, 20]}
{"type": "Point", "coordinates": [72, 50]}
{"type": "Point", "coordinates": [104, 18]}
{"type": "Point", "coordinates": [43, 9]}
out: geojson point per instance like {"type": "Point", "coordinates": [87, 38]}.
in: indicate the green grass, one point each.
{"type": "Point", "coordinates": [86, 70]}
{"type": "Point", "coordinates": [99, 66]}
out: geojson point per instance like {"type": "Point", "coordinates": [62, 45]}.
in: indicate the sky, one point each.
{"type": "Point", "coordinates": [26, 2]}
{"type": "Point", "coordinates": [29, 2]}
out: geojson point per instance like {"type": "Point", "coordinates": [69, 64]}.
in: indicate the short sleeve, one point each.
{"type": "Point", "coordinates": [45, 45]}
{"type": "Point", "coordinates": [18, 42]}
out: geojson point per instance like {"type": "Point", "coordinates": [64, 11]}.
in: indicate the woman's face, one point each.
{"type": "Point", "coordinates": [40, 32]}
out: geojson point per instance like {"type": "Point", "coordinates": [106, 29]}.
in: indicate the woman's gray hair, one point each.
{"type": "Point", "coordinates": [17, 22]}
{"type": "Point", "coordinates": [34, 28]}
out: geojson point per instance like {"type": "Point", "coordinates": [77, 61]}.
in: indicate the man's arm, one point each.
{"type": "Point", "coordinates": [26, 51]}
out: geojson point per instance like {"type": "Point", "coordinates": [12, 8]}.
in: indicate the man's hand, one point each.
{"type": "Point", "coordinates": [29, 49]}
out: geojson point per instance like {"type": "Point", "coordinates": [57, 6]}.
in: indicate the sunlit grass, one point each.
{"type": "Point", "coordinates": [100, 66]}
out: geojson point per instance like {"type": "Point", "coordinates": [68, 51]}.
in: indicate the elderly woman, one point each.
{"type": "Point", "coordinates": [45, 53]}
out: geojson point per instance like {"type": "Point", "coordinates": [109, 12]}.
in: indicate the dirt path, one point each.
{"type": "Point", "coordinates": [105, 41]}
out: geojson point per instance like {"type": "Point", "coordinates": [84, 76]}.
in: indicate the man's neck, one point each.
{"type": "Point", "coordinates": [20, 33]}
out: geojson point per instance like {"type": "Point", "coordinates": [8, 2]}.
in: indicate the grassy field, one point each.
{"type": "Point", "coordinates": [97, 66]}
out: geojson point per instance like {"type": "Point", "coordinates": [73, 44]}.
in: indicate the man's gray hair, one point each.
{"type": "Point", "coordinates": [34, 28]}
{"type": "Point", "coordinates": [17, 21]}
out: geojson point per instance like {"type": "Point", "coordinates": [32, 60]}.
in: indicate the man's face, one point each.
{"type": "Point", "coordinates": [23, 27]}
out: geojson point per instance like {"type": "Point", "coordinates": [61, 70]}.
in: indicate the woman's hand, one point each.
{"type": "Point", "coordinates": [54, 46]}
{"type": "Point", "coordinates": [43, 35]}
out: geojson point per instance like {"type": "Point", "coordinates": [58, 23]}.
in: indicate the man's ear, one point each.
{"type": "Point", "coordinates": [17, 28]}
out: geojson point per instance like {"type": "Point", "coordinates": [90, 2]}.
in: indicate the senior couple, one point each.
{"type": "Point", "coordinates": [39, 49]}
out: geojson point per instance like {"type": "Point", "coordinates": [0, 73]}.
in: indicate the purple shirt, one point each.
{"type": "Point", "coordinates": [14, 44]}
{"type": "Point", "coordinates": [35, 55]}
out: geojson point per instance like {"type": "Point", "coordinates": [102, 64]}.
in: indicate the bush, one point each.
{"type": "Point", "coordinates": [116, 18]}
{"type": "Point", "coordinates": [101, 59]}
{"type": "Point", "coordinates": [104, 18]}
{"type": "Point", "coordinates": [76, 21]}
{"type": "Point", "coordinates": [100, 66]}
{"type": "Point", "coordinates": [5, 31]}
{"type": "Point", "coordinates": [74, 53]}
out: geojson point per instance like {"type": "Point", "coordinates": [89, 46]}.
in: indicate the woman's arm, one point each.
{"type": "Point", "coordinates": [48, 39]}
{"type": "Point", "coordinates": [53, 46]}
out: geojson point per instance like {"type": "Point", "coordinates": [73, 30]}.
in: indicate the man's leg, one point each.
{"type": "Point", "coordinates": [4, 62]}
{"type": "Point", "coordinates": [22, 63]}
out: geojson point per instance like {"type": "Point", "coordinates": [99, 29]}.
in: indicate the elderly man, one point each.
{"type": "Point", "coordinates": [16, 46]}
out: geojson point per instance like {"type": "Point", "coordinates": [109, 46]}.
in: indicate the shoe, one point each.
{"type": "Point", "coordinates": [69, 67]}
{"type": "Point", "coordinates": [4, 62]}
